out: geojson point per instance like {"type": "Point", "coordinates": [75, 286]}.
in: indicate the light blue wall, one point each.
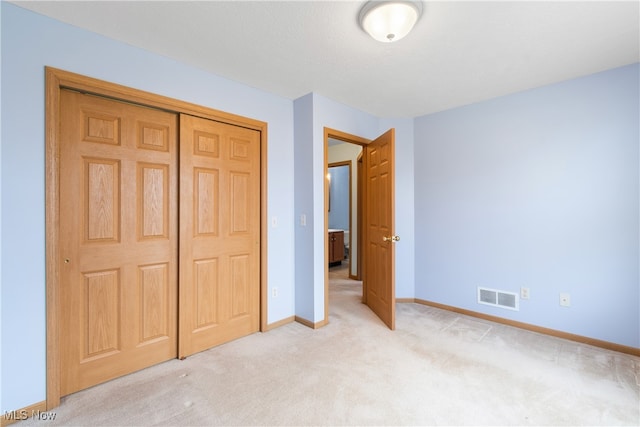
{"type": "Point", "coordinates": [404, 204]}
{"type": "Point", "coordinates": [29, 43]}
{"type": "Point", "coordinates": [303, 188]}
{"type": "Point", "coordinates": [339, 194]}
{"type": "Point", "coordinates": [537, 189]}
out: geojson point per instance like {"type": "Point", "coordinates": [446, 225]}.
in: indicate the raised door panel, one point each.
{"type": "Point", "coordinates": [206, 280]}
{"type": "Point", "coordinates": [101, 314]}
{"type": "Point", "coordinates": [153, 206]}
{"type": "Point", "coordinates": [102, 195]}
{"type": "Point", "coordinates": [240, 295]}
{"type": "Point", "coordinates": [155, 295]}
{"type": "Point", "coordinates": [240, 203]}
{"type": "Point", "coordinates": [206, 202]}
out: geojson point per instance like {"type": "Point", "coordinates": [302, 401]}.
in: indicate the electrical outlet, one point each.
{"type": "Point", "coordinates": [524, 293]}
{"type": "Point", "coordinates": [274, 221]}
{"type": "Point", "coordinates": [303, 220]}
{"type": "Point", "coordinates": [274, 292]}
{"type": "Point", "coordinates": [565, 300]}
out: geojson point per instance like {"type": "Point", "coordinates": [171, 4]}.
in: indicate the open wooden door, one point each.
{"type": "Point", "coordinates": [378, 219]}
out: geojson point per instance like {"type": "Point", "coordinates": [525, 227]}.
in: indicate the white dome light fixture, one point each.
{"type": "Point", "coordinates": [389, 21]}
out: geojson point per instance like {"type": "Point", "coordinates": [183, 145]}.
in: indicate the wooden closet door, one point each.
{"type": "Point", "coordinates": [118, 239]}
{"type": "Point", "coordinates": [219, 233]}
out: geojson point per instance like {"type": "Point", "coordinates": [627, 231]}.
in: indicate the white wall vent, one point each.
{"type": "Point", "coordinates": [508, 300]}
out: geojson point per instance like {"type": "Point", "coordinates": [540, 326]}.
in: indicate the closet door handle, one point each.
{"type": "Point", "coordinates": [391, 238]}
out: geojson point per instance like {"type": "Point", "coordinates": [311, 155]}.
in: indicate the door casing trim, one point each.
{"type": "Point", "coordinates": [55, 81]}
{"type": "Point", "coordinates": [349, 164]}
{"type": "Point", "coordinates": [352, 139]}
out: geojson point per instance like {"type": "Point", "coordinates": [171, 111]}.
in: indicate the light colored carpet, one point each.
{"type": "Point", "coordinates": [437, 368]}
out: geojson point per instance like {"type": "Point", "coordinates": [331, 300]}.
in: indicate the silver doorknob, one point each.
{"type": "Point", "coordinates": [391, 238]}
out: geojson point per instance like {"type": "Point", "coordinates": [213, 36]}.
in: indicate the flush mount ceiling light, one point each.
{"type": "Point", "coordinates": [389, 21]}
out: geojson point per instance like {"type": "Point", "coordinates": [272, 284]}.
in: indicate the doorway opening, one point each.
{"type": "Point", "coordinates": [343, 206]}
{"type": "Point", "coordinates": [377, 219]}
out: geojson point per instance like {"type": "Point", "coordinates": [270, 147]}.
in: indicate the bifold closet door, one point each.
{"type": "Point", "coordinates": [219, 233]}
{"type": "Point", "coordinates": [118, 239]}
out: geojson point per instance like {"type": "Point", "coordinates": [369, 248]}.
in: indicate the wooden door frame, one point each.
{"type": "Point", "coordinates": [351, 139]}
{"type": "Point", "coordinates": [360, 189]}
{"type": "Point", "coordinates": [55, 81]}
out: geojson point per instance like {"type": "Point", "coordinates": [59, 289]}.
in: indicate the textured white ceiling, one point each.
{"type": "Point", "coordinates": [458, 53]}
